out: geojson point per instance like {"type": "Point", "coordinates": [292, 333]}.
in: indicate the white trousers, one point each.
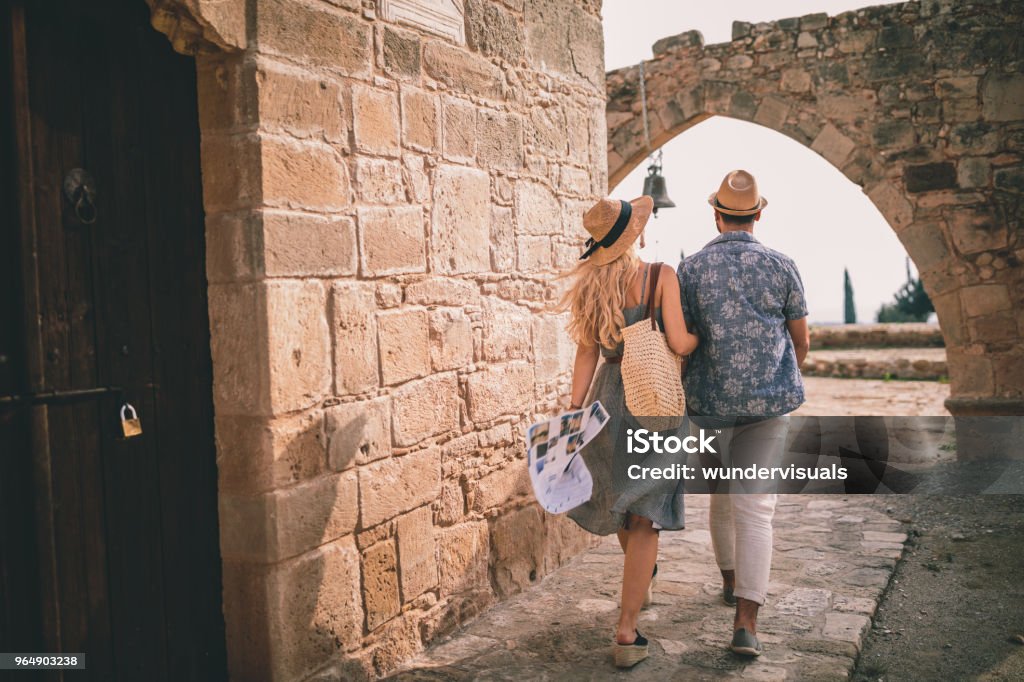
{"type": "Point", "coordinates": [741, 534]}
{"type": "Point", "coordinates": [741, 522]}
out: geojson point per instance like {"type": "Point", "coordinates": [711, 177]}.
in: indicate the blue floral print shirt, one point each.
{"type": "Point", "coordinates": [737, 295]}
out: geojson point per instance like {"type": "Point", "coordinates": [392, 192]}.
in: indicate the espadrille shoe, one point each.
{"type": "Point", "coordinates": [628, 655]}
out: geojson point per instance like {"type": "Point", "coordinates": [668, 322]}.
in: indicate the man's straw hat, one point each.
{"type": "Point", "coordinates": [738, 195]}
{"type": "Point", "coordinates": [613, 226]}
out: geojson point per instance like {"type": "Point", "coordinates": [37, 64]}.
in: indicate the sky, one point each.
{"type": "Point", "coordinates": [814, 214]}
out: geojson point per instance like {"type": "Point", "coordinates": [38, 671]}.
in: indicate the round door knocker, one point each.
{"type": "Point", "coordinates": [80, 190]}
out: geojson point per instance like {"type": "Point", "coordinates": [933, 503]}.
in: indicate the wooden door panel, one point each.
{"type": "Point", "coordinates": [127, 544]}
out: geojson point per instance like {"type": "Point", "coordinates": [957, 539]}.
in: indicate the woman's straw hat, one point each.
{"type": "Point", "coordinates": [613, 226]}
{"type": "Point", "coordinates": [738, 195]}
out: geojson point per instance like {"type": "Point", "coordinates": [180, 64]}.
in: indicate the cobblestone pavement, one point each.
{"type": "Point", "coordinates": [833, 558]}
{"type": "Point", "coordinates": [846, 397]}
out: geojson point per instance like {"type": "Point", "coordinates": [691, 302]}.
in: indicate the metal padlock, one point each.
{"type": "Point", "coordinates": [130, 427]}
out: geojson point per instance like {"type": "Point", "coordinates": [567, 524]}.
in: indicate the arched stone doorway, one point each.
{"type": "Point", "coordinates": [927, 120]}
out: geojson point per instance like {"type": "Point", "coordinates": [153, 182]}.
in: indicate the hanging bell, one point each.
{"type": "Point", "coordinates": [654, 187]}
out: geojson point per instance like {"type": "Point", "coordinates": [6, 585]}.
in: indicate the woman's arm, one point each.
{"type": "Point", "coordinates": [680, 340]}
{"type": "Point", "coordinates": [583, 372]}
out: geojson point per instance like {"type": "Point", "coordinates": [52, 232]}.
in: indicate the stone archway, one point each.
{"type": "Point", "coordinates": [921, 105]}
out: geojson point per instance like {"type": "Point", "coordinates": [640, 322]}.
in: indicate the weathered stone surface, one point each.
{"type": "Point", "coordinates": [462, 71]}
{"type": "Point", "coordinates": [303, 175]}
{"type": "Point", "coordinates": [496, 489]}
{"type": "Point", "coordinates": [772, 113]}
{"type": "Point", "coordinates": [459, 130]}
{"type": "Point", "coordinates": [970, 375]}
{"type": "Point", "coordinates": [288, 522]}
{"type": "Point", "coordinates": [355, 338]}
{"type": "Point", "coordinates": [324, 144]}
{"type": "Point", "coordinates": [313, 608]}
{"type": "Point", "coordinates": [451, 507]}
{"type": "Point", "coordinates": [301, 244]}
{"type": "Point", "coordinates": [973, 172]}
{"type": "Point", "coordinates": [463, 552]}
{"type": "Point", "coordinates": [461, 221]}
{"type": "Point", "coordinates": [892, 204]}
{"type": "Point", "coordinates": [499, 390]}
{"type": "Point", "coordinates": [984, 299]}
{"type": "Point", "coordinates": [420, 116]}
{"type": "Point", "coordinates": [391, 240]}
{"type": "Point", "coordinates": [380, 584]}
{"type": "Point", "coordinates": [895, 134]}
{"type": "Point", "coordinates": [796, 80]}
{"type": "Point", "coordinates": [1002, 97]}
{"type": "Point", "coordinates": [375, 121]}
{"type": "Point", "coordinates": [451, 339]}
{"type": "Point", "coordinates": [315, 35]}
{"type": "Point", "coordinates": [239, 373]}
{"type": "Point", "coordinates": [358, 432]}
{"type": "Point", "coordinates": [977, 228]}
{"type": "Point", "coordinates": [494, 31]}
{"type": "Point", "coordinates": [425, 408]}
{"type": "Point", "coordinates": [556, 34]}
{"type": "Point", "coordinates": [300, 106]}
{"type": "Point", "coordinates": [537, 211]}
{"type": "Point", "coordinates": [401, 53]}
{"type": "Point", "coordinates": [1010, 179]}
{"type": "Point", "coordinates": [517, 541]}
{"type": "Point", "coordinates": [379, 181]}
{"type": "Point", "coordinates": [416, 552]}
{"type": "Point", "coordinates": [395, 485]}
{"type": "Point", "coordinates": [533, 254]}
{"type": "Point", "coordinates": [930, 176]}
{"type": "Point", "coordinates": [442, 291]}
{"type": "Point", "coordinates": [404, 345]}
{"type": "Point", "coordinates": [256, 454]}
{"type": "Point", "coordinates": [553, 350]}
{"type": "Point", "coordinates": [506, 328]}
{"type": "Point", "coordinates": [299, 344]}
{"type": "Point", "coordinates": [499, 140]}
{"type": "Point", "coordinates": [833, 145]}
{"type": "Point", "coordinates": [503, 240]}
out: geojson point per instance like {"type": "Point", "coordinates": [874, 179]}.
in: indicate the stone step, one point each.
{"type": "Point", "coordinates": [921, 364]}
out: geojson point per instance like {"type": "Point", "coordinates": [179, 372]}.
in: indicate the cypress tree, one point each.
{"type": "Point", "coordinates": [850, 316]}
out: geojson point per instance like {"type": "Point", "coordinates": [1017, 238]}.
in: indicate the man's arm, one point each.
{"type": "Point", "coordinates": [801, 338]}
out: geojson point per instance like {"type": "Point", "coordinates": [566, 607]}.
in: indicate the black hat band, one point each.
{"type": "Point", "coordinates": [625, 213]}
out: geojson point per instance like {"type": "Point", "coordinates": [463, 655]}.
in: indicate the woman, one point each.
{"type": "Point", "coordinates": [611, 290]}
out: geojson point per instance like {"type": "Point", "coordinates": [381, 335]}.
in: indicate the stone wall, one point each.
{"type": "Point", "coordinates": [891, 335]}
{"type": "Point", "coordinates": [386, 207]}
{"type": "Point", "coordinates": [922, 105]}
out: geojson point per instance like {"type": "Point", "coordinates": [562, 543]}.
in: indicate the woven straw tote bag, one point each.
{"type": "Point", "coordinates": [651, 372]}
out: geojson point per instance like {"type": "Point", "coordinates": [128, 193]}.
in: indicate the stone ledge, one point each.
{"type": "Point", "coordinates": [902, 335]}
{"type": "Point", "coordinates": [921, 364]}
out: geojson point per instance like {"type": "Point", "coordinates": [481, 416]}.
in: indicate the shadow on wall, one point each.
{"type": "Point", "coordinates": [362, 568]}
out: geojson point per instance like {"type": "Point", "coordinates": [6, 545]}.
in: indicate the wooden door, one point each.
{"type": "Point", "coordinates": [110, 545]}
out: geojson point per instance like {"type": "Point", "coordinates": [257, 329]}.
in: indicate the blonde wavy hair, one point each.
{"type": "Point", "coordinates": [596, 297]}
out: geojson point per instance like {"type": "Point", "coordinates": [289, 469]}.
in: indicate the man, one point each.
{"type": "Point", "coordinates": [746, 304]}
